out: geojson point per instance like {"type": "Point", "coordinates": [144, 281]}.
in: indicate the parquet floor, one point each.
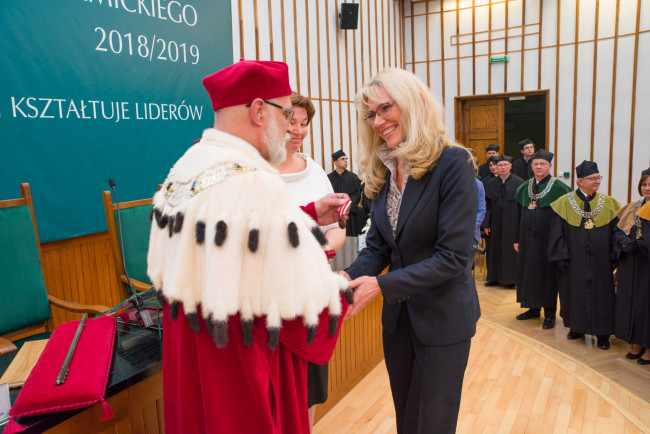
{"type": "Point", "coordinates": [520, 379]}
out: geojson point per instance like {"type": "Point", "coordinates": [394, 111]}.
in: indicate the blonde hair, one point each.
{"type": "Point", "coordinates": [422, 121]}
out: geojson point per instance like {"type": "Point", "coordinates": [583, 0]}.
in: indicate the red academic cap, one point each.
{"type": "Point", "coordinates": [246, 80]}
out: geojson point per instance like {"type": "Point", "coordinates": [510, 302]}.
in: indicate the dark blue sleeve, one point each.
{"type": "Point", "coordinates": [375, 257]}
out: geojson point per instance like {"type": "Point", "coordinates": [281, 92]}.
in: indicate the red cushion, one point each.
{"type": "Point", "coordinates": [87, 377]}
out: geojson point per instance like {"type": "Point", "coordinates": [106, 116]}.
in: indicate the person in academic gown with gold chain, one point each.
{"type": "Point", "coordinates": [633, 275]}
{"type": "Point", "coordinates": [581, 242]}
{"type": "Point", "coordinates": [536, 276]}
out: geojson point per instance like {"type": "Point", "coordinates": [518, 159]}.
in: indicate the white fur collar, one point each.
{"type": "Point", "coordinates": [239, 245]}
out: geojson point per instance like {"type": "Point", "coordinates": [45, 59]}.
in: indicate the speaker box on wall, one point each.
{"type": "Point", "coordinates": [349, 16]}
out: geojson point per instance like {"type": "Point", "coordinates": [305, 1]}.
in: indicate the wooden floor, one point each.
{"type": "Point", "coordinates": [520, 378]}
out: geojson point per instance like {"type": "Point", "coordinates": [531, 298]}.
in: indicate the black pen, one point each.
{"type": "Point", "coordinates": [63, 373]}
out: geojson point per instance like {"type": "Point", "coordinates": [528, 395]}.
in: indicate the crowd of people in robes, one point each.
{"type": "Point", "coordinates": [547, 240]}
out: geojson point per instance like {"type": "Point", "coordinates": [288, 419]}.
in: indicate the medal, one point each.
{"type": "Point", "coordinates": [589, 216]}
{"type": "Point", "coordinates": [637, 222]}
{"type": "Point", "coordinates": [535, 197]}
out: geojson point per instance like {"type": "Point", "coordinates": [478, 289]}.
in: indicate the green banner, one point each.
{"type": "Point", "coordinates": [99, 89]}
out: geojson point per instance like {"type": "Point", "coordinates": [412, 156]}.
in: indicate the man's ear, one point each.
{"type": "Point", "coordinates": [256, 111]}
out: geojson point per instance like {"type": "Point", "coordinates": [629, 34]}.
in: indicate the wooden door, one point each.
{"type": "Point", "coordinates": [479, 124]}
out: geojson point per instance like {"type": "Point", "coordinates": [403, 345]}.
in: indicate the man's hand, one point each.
{"type": "Point", "coordinates": [327, 208]}
{"type": "Point", "coordinates": [487, 231]}
{"type": "Point", "coordinates": [516, 247]}
{"type": "Point", "coordinates": [366, 288]}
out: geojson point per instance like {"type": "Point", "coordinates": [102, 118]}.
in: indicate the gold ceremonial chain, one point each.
{"type": "Point", "coordinates": [177, 193]}
{"type": "Point", "coordinates": [589, 224]}
{"type": "Point", "coordinates": [535, 197]}
{"type": "Point", "coordinates": [637, 220]}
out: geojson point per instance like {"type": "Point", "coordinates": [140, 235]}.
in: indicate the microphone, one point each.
{"type": "Point", "coordinates": [143, 316]}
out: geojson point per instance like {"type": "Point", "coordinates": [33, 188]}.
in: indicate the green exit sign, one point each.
{"type": "Point", "coordinates": [494, 59]}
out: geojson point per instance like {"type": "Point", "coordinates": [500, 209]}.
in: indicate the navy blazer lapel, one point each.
{"type": "Point", "coordinates": [412, 193]}
{"type": "Point", "coordinates": [381, 216]}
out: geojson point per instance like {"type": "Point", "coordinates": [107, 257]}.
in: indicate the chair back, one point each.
{"type": "Point", "coordinates": [23, 295]}
{"type": "Point", "coordinates": [136, 226]}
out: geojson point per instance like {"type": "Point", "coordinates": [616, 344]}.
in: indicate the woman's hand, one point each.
{"type": "Point", "coordinates": [365, 288]}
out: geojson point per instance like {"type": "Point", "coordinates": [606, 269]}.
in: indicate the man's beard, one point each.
{"type": "Point", "coordinates": [275, 144]}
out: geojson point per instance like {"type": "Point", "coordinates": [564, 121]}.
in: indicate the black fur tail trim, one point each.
{"type": "Point", "coordinates": [334, 325]}
{"type": "Point", "coordinates": [293, 235]}
{"type": "Point", "coordinates": [247, 332]}
{"type": "Point", "coordinates": [199, 230]}
{"type": "Point", "coordinates": [178, 225]}
{"type": "Point", "coordinates": [222, 232]}
{"type": "Point", "coordinates": [349, 295]}
{"type": "Point", "coordinates": [151, 214]}
{"type": "Point", "coordinates": [163, 221]}
{"type": "Point", "coordinates": [171, 226]}
{"type": "Point", "coordinates": [161, 297]}
{"type": "Point", "coordinates": [253, 240]}
{"type": "Point", "coordinates": [311, 333]}
{"type": "Point", "coordinates": [319, 235]}
{"type": "Point", "coordinates": [274, 338]}
{"type": "Point", "coordinates": [173, 309]}
{"type": "Point", "coordinates": [219, 332]}
{"type": "Point", "coordinates": [193, 321]}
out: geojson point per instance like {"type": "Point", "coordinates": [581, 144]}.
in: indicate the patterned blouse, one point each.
{"type": "Point", "coordinates": [394, 197]}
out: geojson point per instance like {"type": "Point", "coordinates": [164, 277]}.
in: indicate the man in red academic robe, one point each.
{"type": "Point", "coordinates": [250, 298]}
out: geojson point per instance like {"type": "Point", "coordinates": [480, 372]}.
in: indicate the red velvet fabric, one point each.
{"type": "Point", "coordinates": [240, 389]}
{"type": "Point", "coordinates": [85, 384]}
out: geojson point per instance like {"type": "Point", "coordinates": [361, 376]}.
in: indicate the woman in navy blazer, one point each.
{"type": "Point", "coordinates": [423, 216]}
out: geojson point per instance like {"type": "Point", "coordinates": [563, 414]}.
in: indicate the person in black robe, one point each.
{"type": "Point", "coordinates": [581, 241]}
{"type": "Point", "coordinates": [633, 277]}
{"type": "Point", "coordinates": [500, 225]}
{"type": "Point", "coordinates": [522, 167]}
{"type": "Point", "coordinates": [484, 169]}
{"type": "Point", "coordinates": [536, 276]}
{"type": "Point", "coordinates": [344, 181]}
{"type": "Point", "coordinates": [644, 215]}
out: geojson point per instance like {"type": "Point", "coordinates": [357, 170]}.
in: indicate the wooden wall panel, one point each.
{"type": "Point", "coordinates": [327, 64]}
{"type": "Point", "coordinates": [138, 410]}
{"type": "Point", "coordinates": [357, 351]}
{"type": "Point", "coordinates": [569, 47]}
